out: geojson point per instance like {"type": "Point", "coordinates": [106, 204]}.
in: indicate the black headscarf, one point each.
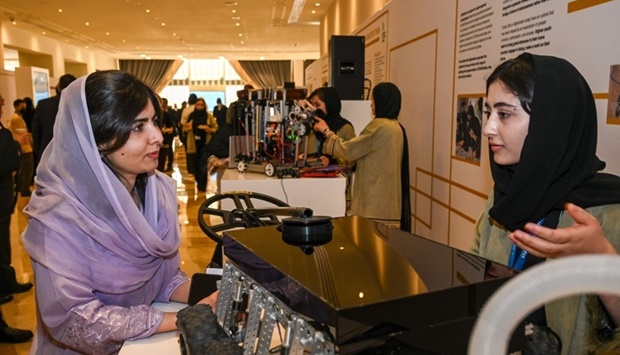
{"type": "Point", "coordinates": [558, 162]}
{"type": "Point", "coordinates": [387, 100]}
{"type": "Point", "coordinates": [333, 105]}
{"type": "Point", "coordinates": [332, 117]}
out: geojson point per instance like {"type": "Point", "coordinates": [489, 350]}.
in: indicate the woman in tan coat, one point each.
{"type": "Point", "coordinates": [381, 186]}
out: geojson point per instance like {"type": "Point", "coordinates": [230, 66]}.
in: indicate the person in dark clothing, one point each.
{"type": "Point", "coordinates": [203, 126]}
{"type": "Point", "coordinates": [10, 162]}
{"type": "Point", "coordinates": [45, 116]}
{"type": "Point", "coordinates": [168, 133]}
{"type": "Point", "coordinates": [28, 113]}
{"type": "Point", "coordinates": [219, 111]}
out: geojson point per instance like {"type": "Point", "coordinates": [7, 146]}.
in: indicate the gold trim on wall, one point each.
{"type": "Point", "coordinates": [579, 5]}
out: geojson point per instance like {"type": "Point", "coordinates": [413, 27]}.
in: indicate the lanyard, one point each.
{"type": "Point", "coordinates": [518, 264]}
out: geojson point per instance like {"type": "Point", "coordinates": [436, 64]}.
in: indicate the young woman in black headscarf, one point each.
{"type": "Point", "coordinates": [542, 132]}
{"type": "Point", "coordinates": [327, 103]}
{"type": "Point", "coordinates": [381, 187]}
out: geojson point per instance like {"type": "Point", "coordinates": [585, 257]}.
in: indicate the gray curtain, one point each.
{"type": "Point", "coordinates": [268, 73]}
{"type": "Point", "coordinates": [151, 72]}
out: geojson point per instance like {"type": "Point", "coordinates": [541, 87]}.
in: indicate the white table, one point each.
{"type": "Point", "coordinates": [325, 196]}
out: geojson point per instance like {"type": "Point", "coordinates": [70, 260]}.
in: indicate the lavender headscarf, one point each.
{"type": "Point", "coordinates": [84, 224]}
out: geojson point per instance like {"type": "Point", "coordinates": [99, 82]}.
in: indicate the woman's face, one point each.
{"type": "Point", "coordinates": [200, 105]}
{"type": "Point", "coordinates": [318, 103]}
{"type": "Point", "coordinates": [141, 151]}
{"type": "Point", "coordinates": [507, 124]}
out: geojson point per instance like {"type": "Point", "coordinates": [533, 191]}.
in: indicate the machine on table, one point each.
{"type": "Point", "coordinates": [369, 289]}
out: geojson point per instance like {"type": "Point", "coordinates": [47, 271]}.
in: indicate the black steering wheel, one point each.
{"type": "Point", "coordinates": [245, 214]}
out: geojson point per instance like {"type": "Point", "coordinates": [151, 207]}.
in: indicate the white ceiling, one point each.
{"type": "Point", "coordinates": [130, 29]}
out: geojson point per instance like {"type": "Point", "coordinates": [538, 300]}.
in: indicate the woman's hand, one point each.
{"type": "Point", "coordinates": [211, 300]}
{"type": "Point", "coordinates": [320, 125]}
{"type": "Point", "coordinates": [585, 236]}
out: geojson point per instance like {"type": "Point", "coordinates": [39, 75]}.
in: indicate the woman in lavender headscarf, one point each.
{"type": "Point", "coordinates": [103, 232]}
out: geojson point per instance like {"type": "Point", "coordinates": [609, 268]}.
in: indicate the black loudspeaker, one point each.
{"type": "Point", "coordinates": [346, 67]}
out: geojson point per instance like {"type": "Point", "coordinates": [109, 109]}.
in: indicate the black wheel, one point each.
{"type": "Point", "coordinates": [238, 217]}
{"type": "Point", "coordinates": [280, 174]}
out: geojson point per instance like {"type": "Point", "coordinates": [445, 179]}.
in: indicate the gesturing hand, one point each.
{"type": "Point", "coordinates": [584, 236]}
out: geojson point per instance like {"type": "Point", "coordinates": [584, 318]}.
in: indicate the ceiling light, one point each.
{"type": "Point", "coordinates": [314, 11]}
{"type": "Point", "coordinates": [148, 10]}
{"type": "Point", "coordinates": [234, 11]}
{"type": "Point", "coordinates": [87, 23]}
{"type": "Point", "coordinates": [317, 4]}
{"type": "Point", "coordinates": [107, 33]}
{"type": "Point", "coordinates": [232, 3]}
{"type": "Point", "coordinates": [163, 24]}
{"type": "Point", "coordinates": [298, 7]}
{"type": "Point", "coordinates": [261, 58]}
{"type": "Point", "coordinates": [13, 22]}
{"type": "Point", "coordinates": [59, 10]}
{"type": "Point", "coordinates": [237, 24]}
{"type": "Point", "coordinates": [43, 33]}
{"type": "Point", "coordinates": [236, 17]}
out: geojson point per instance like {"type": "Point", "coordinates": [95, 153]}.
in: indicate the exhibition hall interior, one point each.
{"type": "Point", "coordinates": [295, 176]}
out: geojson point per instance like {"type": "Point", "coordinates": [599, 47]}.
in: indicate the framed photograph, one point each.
{"type": "Point", "coordinates": [468, 124]}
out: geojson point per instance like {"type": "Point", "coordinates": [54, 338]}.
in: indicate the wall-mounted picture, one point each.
{"type": "Point", "coordinates": [468, 125]}
{"type": "Point", "coordinates": [613, 105]}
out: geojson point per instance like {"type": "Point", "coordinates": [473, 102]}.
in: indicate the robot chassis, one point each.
{"type": "Point", "coordinates": [275, 141]}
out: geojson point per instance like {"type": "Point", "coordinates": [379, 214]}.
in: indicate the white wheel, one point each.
{"type": "Point", "coordinates": [242, 166]}
{"type": "Point", "coordinates": [270, 170]}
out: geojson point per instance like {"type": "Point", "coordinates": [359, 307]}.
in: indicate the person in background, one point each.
{"type": "Point", "coordinates": [26, 158]}
{"type": "Point", "coordinates": [45, 116]}
{"type": "Point", "coordinates": [103, 233]}
{"type": "Point", "coordinates": [9, 165]}
{"type": "Point", "coordinates": [167, 130]}
{"type": "Point", "coordinates": [327, 106]}
{"type": "Point", "coordinates": [219, 111]}
{"type": "Point", "coordinates": [28, 112]}
{"type": "Point", "coordinates": [381, 186]}
{"type": "Point", "coordinates": [549, 198]}
{"type": "Point", "coordinates": [203, 125]}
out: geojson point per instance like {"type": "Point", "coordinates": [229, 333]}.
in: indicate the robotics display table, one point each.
{"type": "Point", "coordinates": [372, 288]}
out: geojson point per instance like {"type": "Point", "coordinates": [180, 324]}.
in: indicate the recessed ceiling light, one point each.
{"type": "Point", "coordinates": [317, 4]}
{"type": "Point", "coordinates": [174, 34]}
{"type": "Point", "coordinates": [43, 33]}
{"type": "Point", "coordinates": [147, 11]}
{"type": "Point", "coordinates": [314, 11]}
{"type": "Point", "coordinates": [163, 24]}
{"type": "Point", "coordinates": [236, 17]}
{"type": "Point", "coordinates": [237, 24]}
{"type": "Point", "coordinates": [261, 58]}
{"type": "Point", "coordinates": [234, 11]}
{"type": "Point", "coordinates": [231, 3]}
{"type": "Point", "coordinates": [240, 34]}
{"type": "Point", "coordinates": [59, 10]}
{"type": "Point", "coordinates": [87, 23]}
